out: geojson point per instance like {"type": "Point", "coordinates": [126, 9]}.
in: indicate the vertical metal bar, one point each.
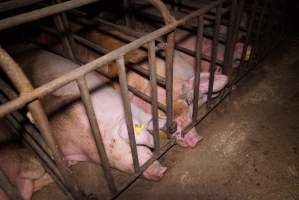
{"type": "Point", "coordinates": [258, 32]}
{"type": "Point", "coordinates": [154, 94]}
{"type": "Point", "coordinates": [9, 189]}
{"type": "Point", "coordinates": [214, 53]}
{"type": "Point", "coordinates": [65, 42]}
{"type": "Point", "coordinates": [197, 67]}
{"type": "Point", "coordinates": [87, 101]}
{"type": "Point", "coordinates": [68, 42]}
{"type": "Point", "coordinates": [127, 109]}
{"type": "Point", "coordinates": [127, 12]}
{"type": "Point", "coordinates": [169, 53]}
{"type": "Point", "coordinates": [248, 36]}
{"type": "Point", "coordinates": [230, 42]}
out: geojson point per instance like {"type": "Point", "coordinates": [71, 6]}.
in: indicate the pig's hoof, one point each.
{"type": "Point", "coordinates": [155, 172]}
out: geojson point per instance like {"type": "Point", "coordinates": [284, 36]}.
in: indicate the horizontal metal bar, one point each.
{"type": "Point", "coordinates": [14, 4]}
{"type": "Point", "coordinates": [193, 54]}
{"type": "Point", "coordinates": [43, 12]}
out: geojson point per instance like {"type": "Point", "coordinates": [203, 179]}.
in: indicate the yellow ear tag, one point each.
{"type": "Point", "coordinates": [138, 128]}
{"type": "Point", "coordinates": [248, 53]}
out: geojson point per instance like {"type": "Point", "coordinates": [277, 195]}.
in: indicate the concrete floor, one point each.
{"type": "Point", "coordinates": [250, 146]}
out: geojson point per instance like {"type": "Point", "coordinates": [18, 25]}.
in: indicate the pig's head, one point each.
{"type": "Point", "coordinates": [142, 135]}
{"type": "Point", "coordinates": [183, 118]}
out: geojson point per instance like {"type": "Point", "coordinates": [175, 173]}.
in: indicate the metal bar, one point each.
{"type": "Point", "coordinates": [258, 32]}
{"type": "Point", "coordinates": [248, 37]}
{"type": "Point", "coordinates": [193, 53]}
{"type": "Point", "coordinates": [163, 150]}
{"type": "Point", "coordinates": [65, 39]}
{"type": "Point", "coordinates": [214, 54]}
{"type": "Point", "coordinates": [10, 190]}
{"type": "Point", "coordinates": [71, 76]}
{"type": "Point", "coordinates": [127, 12]}
{"type": "Point", "coordinates": [169, 53]}
{"type": "Point", "coordinates": [21, 82]}
{"type": "Point", "coordinates": [88, 105]}
{"type": "Point", "coordinates": [197, 67]}
{"type": "Point", "coordinates": [43, 12]}
{"type": "Point", "coordinates": [14, 4]}
{"type": "Point", "coordinates": [154, 94]}
{"type": "Point", "coordinates": [145, 97]}
{"type": "Point", "coordinates": [127, 109]}
{"type": "Point", "coordinates": [229, 47]}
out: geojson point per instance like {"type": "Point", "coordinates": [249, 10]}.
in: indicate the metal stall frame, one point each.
{"type": "Point", "coordinates": [30, 96]}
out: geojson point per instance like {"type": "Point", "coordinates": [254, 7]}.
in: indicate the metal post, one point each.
{"type": "Point", "coordinates": [127, 109]}
{"type": "Point", "coordinates": [154, 94]}
{"type": "Point", "coordinates": [197, 67]}
{"type": "Point", "coordinates": [88, 105]}
{"type": "Point", "coordinates": [214, 54]}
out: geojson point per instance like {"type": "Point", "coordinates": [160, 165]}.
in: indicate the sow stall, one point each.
{"type": "Point", "coordinates": [204, 21]}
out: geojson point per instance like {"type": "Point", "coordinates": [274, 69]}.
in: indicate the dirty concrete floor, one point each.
{"type": "Point", "coordinates": [250, 147]}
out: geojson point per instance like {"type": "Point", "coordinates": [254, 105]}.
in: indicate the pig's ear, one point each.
{"type": "Point", "coordinates": [179, 107]}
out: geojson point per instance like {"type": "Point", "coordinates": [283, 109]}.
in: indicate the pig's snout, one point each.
{"type": "Point", "coordinates": [155, 171]}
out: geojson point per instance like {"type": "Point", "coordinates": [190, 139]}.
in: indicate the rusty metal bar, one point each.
{"type": "Point", "coordinates": [169, 53]}
{"type": "Point", "coordinates": [214, 53]}
{"type": "Point", "coordinates": [10, 190]}
{"type": "Point", "coordinates": [154, 94]}
{"type": "Point", "coordinates": [43, 12]}
{"type": "Point", "coordinates": [197, 67]}
{"type": "Point", "coordinates": [128, 112]}
{"type": "Point", "coordinates": [65, 79]}
{"type": "Point", "coordinates": [88, 105]}
{"type": "Point", "coordinates": [21, 82]}
{"type": "Point", "coordinates": [14, 4]}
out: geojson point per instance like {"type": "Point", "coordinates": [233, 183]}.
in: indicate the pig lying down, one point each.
{"type": "Point", "coordinates": [71, 127]}
{"type": "Point", "coordinates": [182, 84]}
{"type": "Point", "coordinates": [21, 167]}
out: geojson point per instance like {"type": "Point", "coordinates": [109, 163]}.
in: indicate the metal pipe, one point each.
{"type": "Point", "coordinates": [229, 48]}
{"type": "Point", "coordinates": [169, 53]}
{"type": "Point", "coordinates": [43, 12]}
{"type": "Point", "coordinates": [154, 94]}
{"type": "Point", "coordinates": [197, 67]}
{"type": "Point", "coordinates": [214, 53]}
{"type": "Point", "coordinates": [127, 109]}
{"type": "Point", "coordinates": [248, 37]}
{"type": "Point", "coordinates": [14, 4]}
{"type": "Point", "coordinates": [88, 105]}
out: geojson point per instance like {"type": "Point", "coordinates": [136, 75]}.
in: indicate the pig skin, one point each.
{"type": "Point", "coordinates": [71, 127]}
